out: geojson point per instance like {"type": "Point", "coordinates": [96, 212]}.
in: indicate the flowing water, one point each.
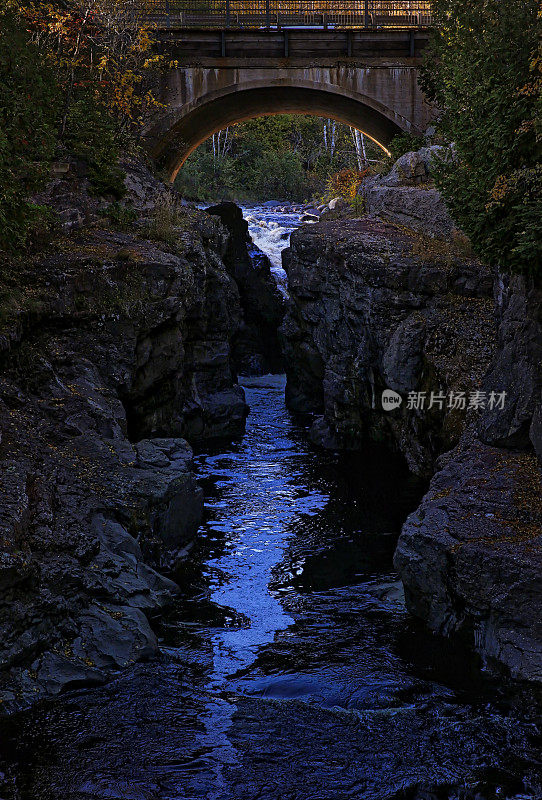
{"type": "Point", "coordinates": [270, 227]}
{"type": "Point", "coordinates": [290, 669]}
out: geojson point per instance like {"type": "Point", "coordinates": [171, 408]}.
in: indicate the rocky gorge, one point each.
{"type": "Point", "coordinates": [117, 347]}
{"type": "Point", "coordinates": [187, 588]}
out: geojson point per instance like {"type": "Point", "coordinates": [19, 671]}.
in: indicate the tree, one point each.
{"type": "Point", "coordinates": [29, 102]}
{"type": "Point", "coordinates": [98, 46]}
{"type": "Point", "coordinates": [72, 82]}
{"type": "Point", "coordinates": [483, 70]}
{"type": "Point", "coordinates": [359, 143]}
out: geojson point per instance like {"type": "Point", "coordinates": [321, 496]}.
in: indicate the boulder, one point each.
{"type": "Point", "coordinates": [337, 204]}
{"type": "Point", "coordinates": [414, 168]}
{"type": "Point", "coordinates": [409, 170]}
{"type": "Point", "coordinates": [406, 195]}
{"type": "Point", "coordinates": [423, 210]}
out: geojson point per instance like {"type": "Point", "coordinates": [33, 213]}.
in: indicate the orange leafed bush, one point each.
{"type": "Point", "coordinates": [346, 183]}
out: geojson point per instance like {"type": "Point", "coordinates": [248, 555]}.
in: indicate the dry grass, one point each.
{"type": "Point", "coordinates": [167, 218]}
{"type": "Point", "coordinates": [442, 251]}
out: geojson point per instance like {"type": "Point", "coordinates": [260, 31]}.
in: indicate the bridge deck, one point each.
{"type": "Point", "coordinates": [286, 13]}
{"type": "Point", "coordinates": [201, 45]}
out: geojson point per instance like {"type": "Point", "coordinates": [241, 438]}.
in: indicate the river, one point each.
{"type": "Point", "coordinates": [290, 669]}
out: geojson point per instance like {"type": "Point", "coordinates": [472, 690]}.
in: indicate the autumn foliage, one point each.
{"type": "Point", "coordinates": [73, 79]}
{"type": "Point", "coordinates": [346, 183]}
{"type": "Point", "coordinates": [98, 46]}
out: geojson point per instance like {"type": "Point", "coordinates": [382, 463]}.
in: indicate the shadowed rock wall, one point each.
{"type": "Point", "coordinates": [376, 305]}
{"type": "Point", "coordinates": [256, 347]}
{"type": "Point", "coordinates": [114, 348]}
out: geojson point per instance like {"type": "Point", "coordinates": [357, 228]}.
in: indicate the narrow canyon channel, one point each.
{"type": "Point", "coordinates": [289, 668]}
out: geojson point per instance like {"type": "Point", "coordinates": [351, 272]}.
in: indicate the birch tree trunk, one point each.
{"type": "Point", "coordinates": [362, 137]}
{"type": "Point", "coordinates": [330, 136]}
{"type": "Point", "coordinates": [333, 137]}
{"type": "Point", "coordinates": [359, 144]}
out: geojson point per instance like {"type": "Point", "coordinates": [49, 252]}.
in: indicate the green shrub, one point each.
{"type": "Point", "coordinates": [120, 215]}
{"type": "Point", "coordinates": [404, 143]}
{"type": "Point", "coordinates": [359, 206]}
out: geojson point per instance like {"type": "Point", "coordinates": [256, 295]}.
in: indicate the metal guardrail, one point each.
{"type": "Point", "coordinates": [287, 13]}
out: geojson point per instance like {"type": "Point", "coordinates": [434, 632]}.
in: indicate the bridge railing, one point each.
{"type": "Point", "coordinates": [287, 13]}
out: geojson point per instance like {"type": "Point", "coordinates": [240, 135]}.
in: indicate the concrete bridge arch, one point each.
{"type": "Point", "coordinates": [380, 99]}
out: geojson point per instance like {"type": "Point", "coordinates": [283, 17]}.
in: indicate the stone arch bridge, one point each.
{"type": "Point", "coordinates": [365, 78]}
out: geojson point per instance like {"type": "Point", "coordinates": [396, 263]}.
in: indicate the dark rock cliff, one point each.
{"type": "Point", "coordinates": [517, 367]}
{"type": "Point", "coordinates": [368, 312]}
{"type": "Point", "coordinates": [471, 556]}
{"type": "Point", "coordinates": [256, 348]}
{"type": "Point", "coordinates": [116, 348]}
{"type": "Point", "coordinates": [376, 306]}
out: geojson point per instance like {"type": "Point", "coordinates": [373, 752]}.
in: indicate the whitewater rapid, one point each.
{"type": "Point", "coordinates": [270, 229]}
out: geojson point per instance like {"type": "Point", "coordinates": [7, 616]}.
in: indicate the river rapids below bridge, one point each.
{"type": "Point", "coordinates": [290, 669]}
{"type": "Point", "coordinates": [270, 229]}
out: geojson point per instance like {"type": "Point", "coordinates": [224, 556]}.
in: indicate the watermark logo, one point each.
{"type": "Point", "coordinates": [442, 401]}
{"type": "Point", "coordinates": [391, 400]}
